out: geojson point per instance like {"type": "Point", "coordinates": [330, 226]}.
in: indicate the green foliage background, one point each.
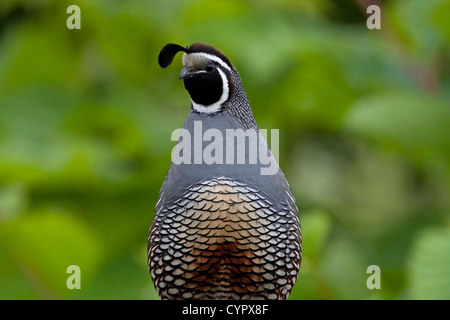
{"type": "Point", "coordinates": [364, 117]}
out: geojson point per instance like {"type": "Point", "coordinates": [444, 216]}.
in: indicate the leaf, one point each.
{"type": "Point", "coordinates": [345, 270]}
{"type": "Point", "coordinates": [13, 200]}
{"type": "Point", "coordinates": [316, 226]}
{"type": "Point", "coordinates": [429, 265]}
{"type": "Point", "coordinates": [43, 244]}
{"type": "Point", "coordinates": [414, 123]}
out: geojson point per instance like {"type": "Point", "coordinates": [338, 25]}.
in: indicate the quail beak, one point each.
{"type": "Point", "coordinates": [186, 73]}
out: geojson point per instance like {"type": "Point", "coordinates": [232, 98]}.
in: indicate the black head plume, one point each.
{"type": "Point", "coordinates": [167, 54]}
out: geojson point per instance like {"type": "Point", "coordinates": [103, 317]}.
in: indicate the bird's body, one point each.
{"type": "Point", "coordinates": [222, 230]}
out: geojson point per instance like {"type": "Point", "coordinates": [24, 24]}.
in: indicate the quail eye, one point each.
{"type": "Point", "coordinates": [210, 67]}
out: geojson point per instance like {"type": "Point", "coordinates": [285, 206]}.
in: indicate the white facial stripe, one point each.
{"type": "Point", "coordinates": [188, 56]}
{"type": "Point", "coordinates": [215, 107]}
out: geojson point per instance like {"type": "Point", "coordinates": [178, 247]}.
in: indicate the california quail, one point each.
{"type": "Point", "coordinates": [223, 229]}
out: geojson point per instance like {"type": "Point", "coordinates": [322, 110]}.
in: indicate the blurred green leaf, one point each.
{"type": "Point", "coordinates": [43, 244]}
{"type": "Point", "coordinates": [344, 270]}
{"type": "Point", "coordinates": [13, 201]}
{"type": "Point", "coordinates": [316, 226]}
{"type": "Point", "coordinates": [413, 123]}
{"type": "Point", "coordinates": [429, 265]}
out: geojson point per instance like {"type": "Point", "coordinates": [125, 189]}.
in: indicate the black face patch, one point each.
{"type": "Point", "coordinates": [202, 74]}
{"type": "Point", "coordinates": [205, 88]}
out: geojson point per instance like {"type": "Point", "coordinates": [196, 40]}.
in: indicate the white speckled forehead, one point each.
{"type": "Point", "coordinates": [199, 60]}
